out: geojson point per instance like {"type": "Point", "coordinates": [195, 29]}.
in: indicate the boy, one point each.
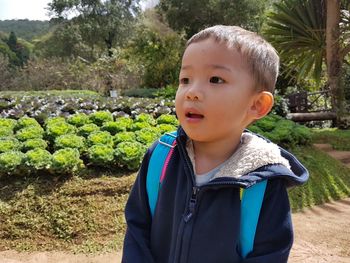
{"type": "Point", "coordinates": [226, 82]}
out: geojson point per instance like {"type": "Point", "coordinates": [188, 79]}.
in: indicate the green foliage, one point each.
{"type": "Point", "coordinates": [99, 117]}
{"type": "Point", "coordinates": [144, 117]}
{"type": "Point", "coordinates": [78, 119]}
{"type": "Point", "coordinates": [26, 122]}
{"type": "Point", "coordinates": [124, 123]}
{"type": "Point", "coordinates": [5, 132]}
{"type": "Point", "coordinates": [38, 159]}
{"type": "Point", "coordinates": [70, 141]}
{"type": "Point", "coordinates": [296, 28]}
{"type": "Point", "coordinates": [113, 127]}
{"type": "Point", "coordinates": [180, 14]}
{"type": "Point", "coordinates": [101, 155]}
{"type": "Point", "coordinates": [11, 163]}
{"type": "Point", "coordinates": [8, 123]}
{"type": "Point", "coordinates": [147, 136]}
{"type": "Point", "coordinates": [87, 129]}
{"type": "Point", "coordinates": [139, 125]}
{"type": "Point", "coordinates": [53, 120]}
{"type": "Point", "coordinates": [339, 139]}
{"type": "Point", "coordinates": [58, 128]}
{"type": "Point", "coordinates": [168, 92]}
{"type": "Point", "coordinates": [24, 28]}
{"type": "Point", "coordinates": [9, 144]}
{"type": "Point", "coordinates": [282, 131]}
{"type": "Point", "coordinates": [159, 53]}
{"type": "Point", "coordinates": [124, 137]}
{"type": "Point", "coordinates": [130, 154]}
{"type": "Point", "coordinates": [66, 161]}
{"type": "Point", "coordinates": [168, 119]}
{"type": "Point", "coordinates": [100, 137]}
{"type": "Point", "coordinates": [102, 24]}
{"type": "Point", "coordinates": [30, 132]}
{"type": "Point", "coordinates": [32, 144]}
{"type": "Point", "coordinates": [163, 128]}
{"type": "Point", "coordinates": [140, 92]}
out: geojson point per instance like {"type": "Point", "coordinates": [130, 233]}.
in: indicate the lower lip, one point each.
{"type": "Point", "coordinates": [193, 120]}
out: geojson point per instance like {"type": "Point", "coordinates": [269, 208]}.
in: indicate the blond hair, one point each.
{"type": "Point", "coordinates": [260, 56]}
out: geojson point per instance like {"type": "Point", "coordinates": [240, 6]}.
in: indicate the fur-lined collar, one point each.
{"type": "Point", "coordinates": [252, 153]}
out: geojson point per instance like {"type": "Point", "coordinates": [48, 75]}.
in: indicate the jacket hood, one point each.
{"type": "Point", "coordinates": [255, 159]}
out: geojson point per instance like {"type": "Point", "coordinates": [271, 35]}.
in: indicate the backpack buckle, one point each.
{"type": "Point", "coordinates": [166, 144]}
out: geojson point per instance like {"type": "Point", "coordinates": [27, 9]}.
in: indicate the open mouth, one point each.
{"type": "Point", "coordinates": [194, 115]}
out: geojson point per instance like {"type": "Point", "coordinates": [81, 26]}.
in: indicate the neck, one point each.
{"type": "Point", "coordinates": [212, 153]}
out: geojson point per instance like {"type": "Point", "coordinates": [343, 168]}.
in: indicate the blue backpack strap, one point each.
{"type": "Point", "coordinates": [157, 165]}
{"type": "Point", "coordinates": [251, 202]}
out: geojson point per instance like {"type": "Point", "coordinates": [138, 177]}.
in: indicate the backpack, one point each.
{"type": "Point", "coordinates": [251, 198]}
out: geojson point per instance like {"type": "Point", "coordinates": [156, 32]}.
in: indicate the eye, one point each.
{"type": "Point", "coordinates": [217, 80]}
{"type": "Point", "coordinates": [184, 80]}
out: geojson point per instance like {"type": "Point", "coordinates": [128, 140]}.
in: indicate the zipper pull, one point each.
{"type": "Point", "coordinates": [192, 204]}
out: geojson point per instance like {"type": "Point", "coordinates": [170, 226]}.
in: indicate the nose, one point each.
{"type": "Point", "coordinates": [194, 94]}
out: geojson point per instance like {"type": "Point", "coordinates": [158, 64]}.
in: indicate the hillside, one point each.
{"type": "Point", "coordinates": [24, 28]}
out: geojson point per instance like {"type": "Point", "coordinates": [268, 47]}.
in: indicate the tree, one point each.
{"type": "Point", "coordinates": [193, 15]}
{"type": "Point", "coordinates": [101, 23]}
{"type": "Point", "coordinates": [310, 35]}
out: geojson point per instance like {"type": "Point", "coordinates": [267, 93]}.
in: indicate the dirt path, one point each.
{"type": "Point", "coordinates": [322, 235]}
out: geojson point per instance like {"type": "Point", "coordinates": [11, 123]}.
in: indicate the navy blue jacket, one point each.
{"type": "Point", "coordinates": [201, 224]}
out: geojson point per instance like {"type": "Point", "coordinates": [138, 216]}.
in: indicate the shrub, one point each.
{"type": "Point", "coordinates": [147, 136]}
{"type": "Point", "coordinates": [99, 117]}
{"type": "Point", "coordinates": [9, 144]}
{"type": "Point", "coordinates": [66, 161]}
{"type": "Point", "coordinates": [11, 162]}
{"type": "Point", "coordinates": [101, 155]}
{"type": "Point", "coordinates": [32, 144]}
{"type": "Point", "coordinates": [38, 159]}
{"type": "Point", "coordinates": [124, 137]}
{"type": "Point", "coordinates": [168, 92]}
{"type": "Point", "coordinates": [87, 129]}
{"type": "Point", "coordinates": [78, 119]}
{"type": "Point", "coordinates": [144, 117]}
{"type": "Point", "coordinates": [302, 134]}
{"type": "Point", "coordinates": [266, 124]}
{"type": "Point", "coordinates": [70, 141]}
{"type": "Point", "coordinates": [30, 132]}
{"type": "Point", "coordinates": [100, 137]}
{"type": "Point", "coordinates": [130, 154]}
{"type": "Point", "coordinates": [167, 119]}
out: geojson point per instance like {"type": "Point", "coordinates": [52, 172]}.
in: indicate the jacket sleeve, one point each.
{"type": "Point", "coordinates": [136, 247]}
{"type": "Point", "coordinates": [274, 233]}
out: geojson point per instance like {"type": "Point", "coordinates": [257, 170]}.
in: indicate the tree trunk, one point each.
{"type": "Point", "coordinates": [334, 62]}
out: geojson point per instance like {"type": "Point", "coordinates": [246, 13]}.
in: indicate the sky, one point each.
{"type": "Point", "coordinates": [35, 9]}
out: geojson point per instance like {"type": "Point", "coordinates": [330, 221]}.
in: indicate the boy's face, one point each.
{"type": "Point", "coordinates": [215, 92]}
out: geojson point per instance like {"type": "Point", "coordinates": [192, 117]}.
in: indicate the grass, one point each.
{"type": "Point", "coordinates": [339, 139]}
{"type": "Point", "coordinates": [329, 179]}
{"type": "Point", "coordinates": [80, 214]}
{"type": "Point", "coordinates": [86, 213]}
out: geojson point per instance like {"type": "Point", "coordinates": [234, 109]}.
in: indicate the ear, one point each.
{"type": "Point", "coordinates": [261, 105]}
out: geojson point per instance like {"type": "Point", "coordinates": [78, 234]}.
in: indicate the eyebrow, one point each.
{"type": "Point", "coordinates": [215, 66]}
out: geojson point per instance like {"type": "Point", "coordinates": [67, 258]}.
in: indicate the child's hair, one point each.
{"type": "Point", "coordinates": [261, 58]}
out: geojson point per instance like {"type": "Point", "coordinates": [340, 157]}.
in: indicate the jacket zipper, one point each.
{"type": "Point", "coordinates": [192, 204]}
